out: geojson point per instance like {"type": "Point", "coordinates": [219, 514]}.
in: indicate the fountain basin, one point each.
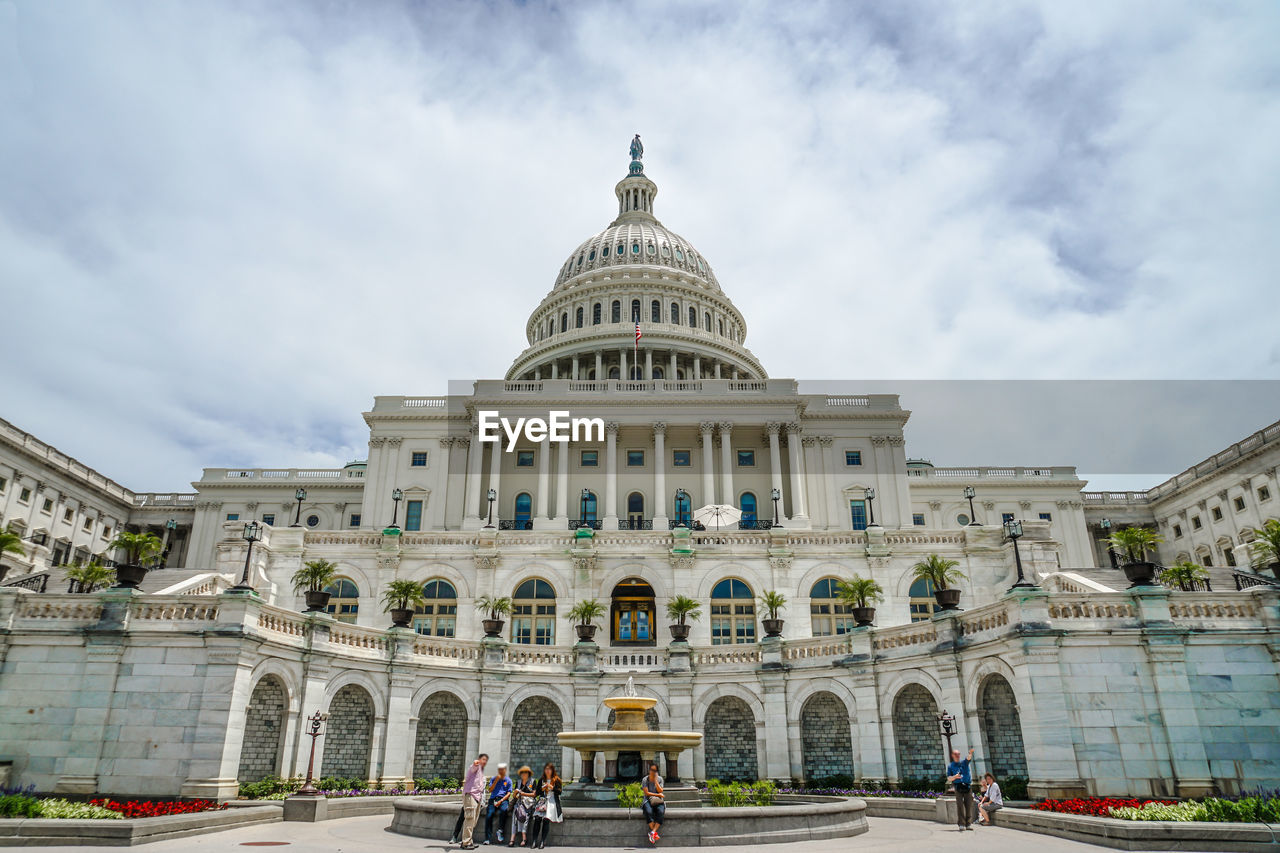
{"type": "Point", "coordinates": [812, 819]}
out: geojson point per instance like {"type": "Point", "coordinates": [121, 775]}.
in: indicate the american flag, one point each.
{"type": "Point", "coordinates": [637, 332]}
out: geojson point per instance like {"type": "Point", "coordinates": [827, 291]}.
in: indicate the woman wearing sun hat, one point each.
{"type": "Point", "coordinates": [523, 794]}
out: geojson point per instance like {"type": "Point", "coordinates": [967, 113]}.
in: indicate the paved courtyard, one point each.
{"type": "Point", "coordinates": [370, 835]}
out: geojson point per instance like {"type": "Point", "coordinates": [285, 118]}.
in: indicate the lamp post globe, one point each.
{"type": "Point", "coordinates": [1013, 532]}
{"type": "Point", "coordinates": [300, 495]}
{"type": "Point", "coordinates": [582, 508]}
{"type": "Point", "coordinates": [1105, 524]}
{"type": "Point", "coordinates": [947, 725]}
{"type": "Point", "coordinates": [492, 496]}
{"type": "Point", "coordinates": [252, 533]}
{"type": "Point", "coordinates": [775, 495]}
{"type": "Point", "coordinates": [681, 497]}
{"type": "Point", "coordinates": [870, 495]}
{"type": "Point", "coordinates": [396, 496]}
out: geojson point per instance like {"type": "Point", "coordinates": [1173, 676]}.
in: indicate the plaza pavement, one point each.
{"type": "Point", "coordinates": [370, 835]}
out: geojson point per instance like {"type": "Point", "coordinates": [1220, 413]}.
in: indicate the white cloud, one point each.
{"type": "Point", "coordinates": [223, 229]}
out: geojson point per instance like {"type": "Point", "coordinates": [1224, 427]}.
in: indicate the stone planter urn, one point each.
{"type": "Point", "coordinates": [317, 600]}
{"type": "Point", "coordinates": [129, 576]}
{"type": "Point", "coordinates": [864, 616]}
{"type": "Point", "coordinates": [680, 633]}
{"type": "Point", "coordinates": [492, 627]}
{"type": "Point", "coordinates": [586, 633]}
{"type": "Point", "coordinates": [1140, 573]}
{"type": "Point", "coordinates": [401, 616]}
{"type": "Point", "coordinates": [772, 627]}
{"type": "Point", "coordinates": [948, 599]}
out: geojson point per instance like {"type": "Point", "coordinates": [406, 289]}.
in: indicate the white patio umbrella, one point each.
{"type": "Point", "coordinates": [717, 514]}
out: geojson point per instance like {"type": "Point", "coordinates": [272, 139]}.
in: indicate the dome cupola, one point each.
{"type": "Point", "coordinates": [636, 271]}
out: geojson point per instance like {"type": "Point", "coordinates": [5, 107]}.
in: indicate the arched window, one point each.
{"type": "Point", "coordinates": [634, 614]}
{"type": "Point", "coordinates": [923, 604]}
{"type": "Point", "coordinates": [578, 318]}
{"type": "Point", "coordinates": [828, 614]}
{"type": "Point", "coordinates": [658, 372]}
{"type": "Point", "coordinates": [615, 313]}
{"type": "Point", "coordinates": [524, 511]}
{"type": "Point", "coordinates": [684, 507]}
{"type": "Point", "coordinates": [613, 372]}
{"type": "Point", "coordinates": [655, 312]}
{"type": "Point", "coordinates": [635, 511]}
{"type": "Point", "coordinates": [721, 326]}
{"type": "Point", "coordinates": [533, 614]}
{"type": "Point", "coordinates": [693, 317]}
{"type": "Point", "coordinates": [595, 314]}
{"type": "Point", "coordinates": [437, 616]}
{"type": "Point", "coordinates": [706, 320]}
{"type": "Point", "coordinates": [564, 322]}
{"type": "Point", "coordinates": [733, 613]}
{"type": "Point", "coordinates": [635, 310]}
{"type": "Point", "coordinates": [675, 314]}
{"type": "Point", "coordinates": [747, 503]}
{"type": "Point", "coordinates": [344, 600]}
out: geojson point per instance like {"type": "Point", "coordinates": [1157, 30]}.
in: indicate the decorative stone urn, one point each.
{"type": "Point", "coordinates": [401, 616]}
{"type": "Point", "coordinates": [317, 600]}
{"type": "Point", "coordinates": [948, 599]}
{"type": "Point", "coordinates": [772, 627]}
{"type": "Point", "coordinates": [128, 576]}
{"type": "Point", "coordinates": [492, 627]}
{"type": "Point", "coordinates": [680, 633]}
{"type": "Point", "coordinates": [1140, 573]}
{"type": "Point", "coordinates": [586, 633]}
{"type": "Point", "coordinates": [864, 616]}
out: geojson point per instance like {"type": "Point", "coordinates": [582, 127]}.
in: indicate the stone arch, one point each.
{"type": "Point", "coordinates": [348, 734]}
{"type": "Point", "coordinates": [264, 720]}
{"type": "Point", "coordinates": [439, 749]}
{"type": "Point", "coordinates": [443, 570]}
{"type": "Point", "coordinates": [634, 570]}
{"type": "Point", "coordinates": [534, 725]}
{"type": "Point", "coordinates": [915, 723]}
{"type": "Point", "coordinates": [1001, 727]}
{"type": "Point", "coordinates": [729, 740]}
{"type": "Point", "coordinates": [826, 742]}
{"type": "Point", "coordinates": [730, 569]}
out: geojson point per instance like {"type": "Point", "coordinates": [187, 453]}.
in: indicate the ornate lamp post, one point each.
{"type": "Point", "coordinates": [947, 723]}
{"type": "Point", "coordinates": [681, 497]}
{"type": "Point", "coordinates": [775, 495]}
{"type": "Point", "coordinates": [299, 496]}
{"type": "Point", "coordinates": [493, 496]}
{"type": "Point", "coordinates": [1105, 524]}
{"type": "Point", "coordinates": [871, 507]}
{"type": "Point", "coordinates": [396, 497]}
{"type": "Point", "coordinates": [582, 509]}
{"type": "Point", "coordinates": [1013, 530]}
{"type": "Point", "coordinates": [973, 517]}
{"type": "Point", "coordinates": [252, 533]}
{"type": "Point", "coordinates": [315, 721]}
{"type": "Point", "coordinates": [170, 527]}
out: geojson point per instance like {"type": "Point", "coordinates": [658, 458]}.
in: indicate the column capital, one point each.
{"type": "Point", "coordinates": [377, 441]}
{"type": "Point", "coordinates": [659, 428]}
{"type": "Point", "coordinates": [809, 440]}
{"type": "Point", "coordinates": [879, 440]}
{"type": "Point", "coordinates": [611, 428]}
{"type": "Point", "coordinates": [772, 428]}
{"type": "Point", "coordinates": [707, 427]}
{"type": "Point", "coordinates": [794, 428]}
{"type": "Point", "coordinates": [725, 427]}
{"type": "Point", "coordinates": [447, 441]}
{"type": "Point", "coordinates": [826, 440]}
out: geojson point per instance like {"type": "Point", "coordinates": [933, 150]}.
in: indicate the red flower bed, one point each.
{"type": "Point", "coordinates": [1095, 806]}
{"type": "Point", "coordinates": [150, 808]}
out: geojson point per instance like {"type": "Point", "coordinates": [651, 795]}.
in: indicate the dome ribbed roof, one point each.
{"type": "Point", "coordinates": [637, 241]}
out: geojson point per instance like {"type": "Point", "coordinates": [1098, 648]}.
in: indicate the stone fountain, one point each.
{"type": "Point", "coordinates": [631, 738]}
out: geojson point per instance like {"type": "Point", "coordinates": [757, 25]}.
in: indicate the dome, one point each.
{"type": "Point", "coordinates": [636, 273]}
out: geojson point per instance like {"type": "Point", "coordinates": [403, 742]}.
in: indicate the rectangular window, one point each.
{"type": "Point", "coordinates": [1177, 531]}
{"type": "Point", "coordinates": [1217, 513]}
{"type": "Point", "coordinates": [1207, 559]}
{"type": "Point", "coordinates": [1046, 516]}
{"type": "Point", "coordinates": [233, 516]}
{"type": "Point", "coordinates": [24, 496]}
{"type": "Point", "coordinates": [680, 459]}
{"type": "Point", "coordinates": [1239, 504]}
{"type": "Point", "coordinates": [917, 518]}
{"type": "Point", "coordinates": [1264, 494]}
{"type": "Point", "coordinates": [269, 518]}
{"type": "Point", "coordinates": [853, 457]}
{"type": "Point", "coordinates": [524, 458]}
{"type": "Point", "coordinates": [88, 523]}
{"type": "Point", "coordinates": [418, 459]}
{"type": "Point", "coordinates": [413, 515]}
{"type": "Point", "coordinates": [3, 483]}
{"type": "Point", "coordinates": [635, 458]}
{"type": "Point", "coordinates": [1195, 522]}
{"type": "Point", "coordinates": [354, 520]}
{"type": "Point", "coordinates": [1006, 517]}
{"type": "Point", "coordinates": [858, 511]}
{"type": "Point", "coordinates": [67, 515]}
{"type": "Point", "coordinates": [590, 459]}
{"type": "Point", "coordinates": [47, 506]}
{"type": "Point", "coordinates": [106, 532]}
{"type": "Point", "coordinates": [746, 458]}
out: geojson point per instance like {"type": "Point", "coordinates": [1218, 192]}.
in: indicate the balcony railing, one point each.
{"type": "Point", "coordinates": [575, 523]}
{"type": "Point", "coordinates": [1246, 580]}
{"type": "Point", "coordinates": [515, 524]}
{"type": "Point", "coordinates": [635, 524]}
{"type": "Point", "coordinates": [756, 524]}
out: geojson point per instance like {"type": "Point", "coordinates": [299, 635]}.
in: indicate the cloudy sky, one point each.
{"type": "Point", "coordinates": [225, 227]}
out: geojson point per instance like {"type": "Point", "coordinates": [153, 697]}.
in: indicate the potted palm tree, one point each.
{"type": "Point", "coordinates": [495, 608]}
{"type": "Point", "coordinates": [860, 595]}
{"type": "Point", "coordinates": [1133, 543]}
{"type": "Point", "coordinates": [1183, 576]}
{"type": "Point", "coordinates": [400, 599]}
{"type": "Point", "coordinates": [140, 549]}
{"type": "Point", "coordinates": [311, 579]}
{"type": "Point", "coordinates": [772, 601]}
{"type": "Point", "coordinates": [90, 576]}
{"type": "Point", "coordinates": [942, 573]}
{"type": "Point", "coordinates": [1266, 546]}
{"type": "Point", "coordinates": [682, 608]}
{"type": "Point", "coordinates": [583, 614]}
{"type": "Point", "coordinates": [11, 543]}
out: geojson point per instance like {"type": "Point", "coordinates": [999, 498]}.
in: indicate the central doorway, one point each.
{"type": "Point", "coordinates": [633, 614]}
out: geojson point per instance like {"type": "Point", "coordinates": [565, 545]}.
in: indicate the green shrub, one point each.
{"type": "Point", "coordinates": [726, 794]}
{"type": "Point", "coordinates": [1162, 811]}
{"type": "Point", "coordinates": [842, 781]}
{"type": "Point", "coordinates": [630, 796]}
{"type": "Point", "coordinates": [269, 788]}
{"type": "Point", "coordinates": [1244, 810]}
{"type": "Point", "coordinates": [66, 810]}
{"type": "Point", "coordinates": [19, 805]}
{"type": "Point", "coordinates": [341, 783]}
{"type": "Point", "coordinates": [436, 783]}
{"type": "Point", "coordinates": [1013, 787]}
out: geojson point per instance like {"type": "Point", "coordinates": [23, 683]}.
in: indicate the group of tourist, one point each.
{"type": "Point", "coordinates": [521, 808]}
{"type": "Point", "coordinates": [988, 802]}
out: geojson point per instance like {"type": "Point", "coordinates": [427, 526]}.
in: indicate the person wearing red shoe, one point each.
{"type": "Point", "coordinates": [655, 803]}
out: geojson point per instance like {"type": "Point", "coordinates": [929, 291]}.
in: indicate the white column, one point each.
{"type": "Point", "coordinates": [674, 373]}
{"type": "Point", "coordinates": [799, 512]}
{"type": "Point", "coordinates": [575, 368]}
{"type": "Point", "coordinates": [495, 481]}
{"type": "Point", "coordinates": [771, 429]}
{"type": "Point", "coordinates": [446, 447]}
{"type": "Point", "coordinates": [562, 484]}
{"type": "Point", "coordinates": [543, 511]}
{"type": "Point", "coordinates": [660, 520]}
{"type": "Point", "coordinates": [599, 364]}
{"type": "Point", "coordinates": [648, 363]}
{"type": "Point", "coordinates": [727, 496]}
{"type": "Point", "coordinates": [555, 369]}
{"type": "Point", "coordinates": [717, 375]}
{"type": "Point", "coordinates": [623, 375]}
{"type": "Point", "coordinates": [708, 495]}
{"type": "Point", "coordinates": [470, 510]}
{"type": "Point", "coordinates": [610, 476]}
{"type": "Point", "coordinates": [697, 367]}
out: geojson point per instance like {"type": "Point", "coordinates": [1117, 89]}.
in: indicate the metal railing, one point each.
{"type": "Point", "coordinates": [515, 524]}
{"type": "Point", "coordinates": [1246, 580]}
{"type": "Point", "coordinates": [575, 523]}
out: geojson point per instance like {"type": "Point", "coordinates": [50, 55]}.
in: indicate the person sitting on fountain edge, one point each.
{"type": "Point", "coordinates": [655, 804]}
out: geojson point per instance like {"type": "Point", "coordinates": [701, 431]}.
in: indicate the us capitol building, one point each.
{"type": "Point", "coordinates": [1078, 683]}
